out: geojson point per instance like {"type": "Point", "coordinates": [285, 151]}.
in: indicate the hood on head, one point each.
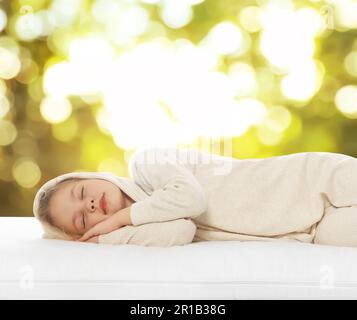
{"type": "Point", "coordinates": [125, 184]}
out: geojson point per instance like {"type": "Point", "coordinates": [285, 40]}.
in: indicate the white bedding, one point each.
{"type": "Point", "coordinates": [36, 268]}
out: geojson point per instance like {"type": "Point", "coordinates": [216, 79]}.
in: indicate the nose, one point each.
{"type": "Point", "coordinates": [91, 206]}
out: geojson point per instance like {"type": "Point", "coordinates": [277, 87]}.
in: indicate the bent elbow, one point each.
{"type": "Point", "coordinates": [186, 231]}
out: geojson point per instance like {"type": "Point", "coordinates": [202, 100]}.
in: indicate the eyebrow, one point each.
{"type": "Point", "coordinates": [72, 193]}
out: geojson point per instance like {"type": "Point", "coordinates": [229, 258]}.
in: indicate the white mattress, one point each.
{"type": "Point", "coordinates": [36, 268]}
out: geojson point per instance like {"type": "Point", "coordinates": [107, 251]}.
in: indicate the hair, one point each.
{"type": "Point", "coordinates": [44, 215]}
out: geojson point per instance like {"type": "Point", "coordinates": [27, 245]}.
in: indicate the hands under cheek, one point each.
{"type": "Point", "coordinates": [105, 226]}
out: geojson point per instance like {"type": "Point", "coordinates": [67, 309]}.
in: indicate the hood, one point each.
{"type": "Point", "coordinates": [127, 185]}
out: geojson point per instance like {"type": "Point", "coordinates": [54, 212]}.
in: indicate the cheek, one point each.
{"type": "Point", "coordinates": [120, 199]}
{"type": "Point", "coordinates": [94, 219]}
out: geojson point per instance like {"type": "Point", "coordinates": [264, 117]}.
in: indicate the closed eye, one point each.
{"type": "Point", "coordinates": [83, 220]}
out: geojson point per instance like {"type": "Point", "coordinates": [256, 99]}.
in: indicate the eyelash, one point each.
{"type": "Point", "coordinates": [83, 220]}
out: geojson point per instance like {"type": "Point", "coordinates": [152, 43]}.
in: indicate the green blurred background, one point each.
{"type": "Point", "coordinates": [83, 84]}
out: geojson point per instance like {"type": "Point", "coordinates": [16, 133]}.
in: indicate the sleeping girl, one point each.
{"type": "Point", "coordinates": [177, 196]}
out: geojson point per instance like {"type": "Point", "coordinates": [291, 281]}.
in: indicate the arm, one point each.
{"type": "Point", "coordinates": [174, 191]}
{"type": "Point", "coordinates": [117, 220]}
{"type": "Point", "coordinates": [161, 234]}
{"type": "Point", "coordinates": [125, 218]}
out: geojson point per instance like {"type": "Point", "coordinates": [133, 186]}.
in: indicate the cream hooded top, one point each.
{"type": "Point", "coordinates": [187, 195]}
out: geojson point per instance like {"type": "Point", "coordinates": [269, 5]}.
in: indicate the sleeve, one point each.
{"type": "Point", "coordinates": [157, 234]}
{"type": "Point", "coordinates": [174, 191]}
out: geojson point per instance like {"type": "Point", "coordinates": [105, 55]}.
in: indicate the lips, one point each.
{"type": "Point", "coordinates": [103, 204]}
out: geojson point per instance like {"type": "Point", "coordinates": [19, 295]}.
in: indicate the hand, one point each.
{"type": "Point", "coordinates": [93, 239]}
{"type": "Point", "coordinates": [114, 222]}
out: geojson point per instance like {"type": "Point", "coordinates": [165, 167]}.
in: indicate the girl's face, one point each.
{"type": "Point", "coordinates": [75, 206]}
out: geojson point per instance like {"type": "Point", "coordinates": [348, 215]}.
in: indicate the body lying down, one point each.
{"type": "Point", "coordinates": [178, 196]}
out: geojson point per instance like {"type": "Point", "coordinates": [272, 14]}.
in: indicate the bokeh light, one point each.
{"type": "Point", "coordinates": [345, 13]}
{"type": "Point", "coordinates": [26, 173]}
{"type": "Point", "coordinates": [225, 38]}
{"type": "Point", "coordinates": [250, 18]}
{"type": "Point", "coordinates": [28, 25]}
{"type": "Point", "coordinates": [8, 132]}
{"type": "Point", "coordinates": [55, 109]}
{"type": "Point", "coordinates": [278, 118]}
{"type": "Point", "coordinates": [350, 63]}
{"type": "Point", "coordinates": [302, 82]}
{"type": "Point", "coordinates": [4, 105]}
{"type": "Point", "coordinates": [346, 101]}
{"type": "Point", "coordinates": [84, 82]}
{"type": "Point", "coordinates": [244, 78]}
{"type": "Point", "coordinates": [3, 20]}
{"type": "Point", "coordinates": [10, 64]}
{"type": "Point", "coordinates": [176, 14]}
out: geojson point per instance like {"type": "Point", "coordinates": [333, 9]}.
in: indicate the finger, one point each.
{"type": "Point", "coordinates": [85, 236]}
{"type": "Point", "coordinates": [89, 234]}
{"type": "Point", "coordinates": [94, 231]}
{"type": "Point", "coordinates": [93, 239]}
